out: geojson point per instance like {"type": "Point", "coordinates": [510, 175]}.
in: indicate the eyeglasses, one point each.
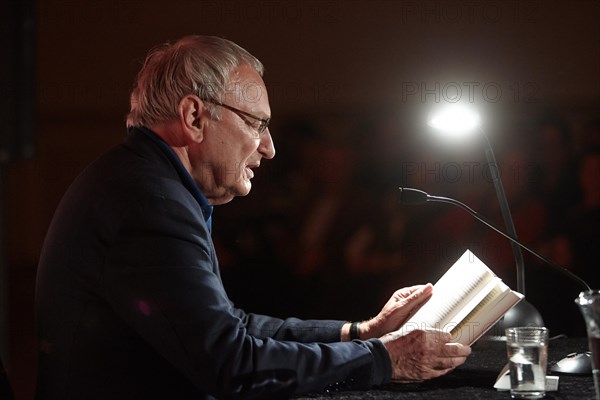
{"type": "Point", "coordinates": [264, 122]}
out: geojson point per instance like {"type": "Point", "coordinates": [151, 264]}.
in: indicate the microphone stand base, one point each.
{"type": "Point", "coordinates": [522, 314]}
{"type": "Point", "coordinates": [525, 314]}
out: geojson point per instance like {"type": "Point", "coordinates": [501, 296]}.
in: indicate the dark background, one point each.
{"type": "Point", "coordinates": [351, 84]}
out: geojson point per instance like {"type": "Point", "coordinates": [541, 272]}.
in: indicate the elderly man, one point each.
{"type": "Point", "coordinates": [130, 303]}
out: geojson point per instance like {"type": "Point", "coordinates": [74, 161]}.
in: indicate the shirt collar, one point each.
{"type": "Point", "coordinates": [187, 179]}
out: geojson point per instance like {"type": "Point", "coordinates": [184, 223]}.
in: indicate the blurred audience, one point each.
{"type": "Point", "coordinates": [555, 156]}
{"type": "Point", "coordinates": [332, 226]}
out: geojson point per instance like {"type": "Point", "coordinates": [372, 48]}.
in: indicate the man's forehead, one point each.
{"type": "Point", "coordinates": [246, 86]}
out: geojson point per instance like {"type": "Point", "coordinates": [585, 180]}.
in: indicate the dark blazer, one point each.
{"type": "Point", "coordinates": [130, 303]}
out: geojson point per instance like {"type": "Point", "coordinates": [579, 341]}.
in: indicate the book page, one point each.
{"type": "Point", "coordinates": [475, 302]}
{"type": "Point", "coordinates": [452, 293]}
{"type": "Point", "coordinates": [489, 310]}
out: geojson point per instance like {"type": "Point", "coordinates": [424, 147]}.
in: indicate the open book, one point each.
{"type": "Point", "coordinates": [467, 301]}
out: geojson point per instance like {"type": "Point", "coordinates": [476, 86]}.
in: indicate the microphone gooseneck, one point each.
{"type": "Point", "coordinates": [416, 196]}
{"type": "Point", "coordinates": [412, 196]}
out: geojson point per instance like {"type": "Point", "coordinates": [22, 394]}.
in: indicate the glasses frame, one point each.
{"type": "Point", "coordinates": [264, 122]}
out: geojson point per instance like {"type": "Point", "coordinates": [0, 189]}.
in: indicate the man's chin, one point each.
{"type": "Point", "coordinates": [242, 190]}
{"type": "Point", "coordinates": [225, 196]}
{"type": "Point", "coordinates": [245, 190]}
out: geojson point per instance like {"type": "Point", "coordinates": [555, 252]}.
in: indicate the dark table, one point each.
{"type": "Point", "coordinates": [475, 379]}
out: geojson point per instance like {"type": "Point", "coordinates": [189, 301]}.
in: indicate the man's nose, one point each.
{"type": "Point", "coordinates": [266, 147]}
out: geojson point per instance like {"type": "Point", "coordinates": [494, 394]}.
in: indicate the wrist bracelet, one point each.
{"type": "Point", "coordinates": [354, 331]}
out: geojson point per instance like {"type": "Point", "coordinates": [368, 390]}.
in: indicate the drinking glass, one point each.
{"type": "Point", "coordinates": [527, 350]}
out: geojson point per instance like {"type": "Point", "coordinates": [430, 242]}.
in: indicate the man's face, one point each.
{"type": "Point", "coordinates": [223, 163]}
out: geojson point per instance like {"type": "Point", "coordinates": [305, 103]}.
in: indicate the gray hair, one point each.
{"type": "Point", "coordinates": [198, 65]}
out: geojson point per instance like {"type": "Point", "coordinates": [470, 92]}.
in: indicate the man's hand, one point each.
{"type": "Point", "coordinates": [403, 304]}
{"type": "Point", "coordinates": [423, 354]}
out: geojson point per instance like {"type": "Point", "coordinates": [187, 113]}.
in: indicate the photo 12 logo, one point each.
{"type": "Point", "coordinates": [471, 92]}
{"type": "Point", "coordinates": [471, 172]}
{"type": "Point", "coordinates": [274, 12]}
{"type": "Point", "coordinates": [470, 11]}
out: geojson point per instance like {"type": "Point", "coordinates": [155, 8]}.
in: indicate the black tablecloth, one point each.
{"type": "Point", "coordinates": [475, 379]}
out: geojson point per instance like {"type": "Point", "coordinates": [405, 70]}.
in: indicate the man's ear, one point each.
{"type": "Point", "coordinates": [193, 116]}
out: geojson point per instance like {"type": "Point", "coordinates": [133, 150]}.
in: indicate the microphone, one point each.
{"type": "Point", "coordinates": [413, 196]}
{"type": "Point", "coordinates": [416, 196]}
{"type": "Point", "coordinates": [579, 365]}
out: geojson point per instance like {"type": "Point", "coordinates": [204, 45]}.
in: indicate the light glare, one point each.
{"type": "Point", "coordinates": [455, 121]}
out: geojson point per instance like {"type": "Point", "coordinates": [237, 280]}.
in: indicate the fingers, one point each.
{"type": "Point", "coordinates": [455, 350]}
{"type": "Point", "coordinates": [451, 356]}
{"type": "Point", "coordinates": [448, 363]}
{"type": "Point", "coordinates": [413, 291]}
{"type": "Point", "coordinates": [417, 298]}
{"type": "Point", "coordinates": [424, 354]}
{"type": "Point", "coordinates": [423, 293]}
{"type": "Point", "coordinates": [401, 306]}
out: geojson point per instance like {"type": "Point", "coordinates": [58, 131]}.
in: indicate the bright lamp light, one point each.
{"type": "Point", "coordinates": [455, 120]}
